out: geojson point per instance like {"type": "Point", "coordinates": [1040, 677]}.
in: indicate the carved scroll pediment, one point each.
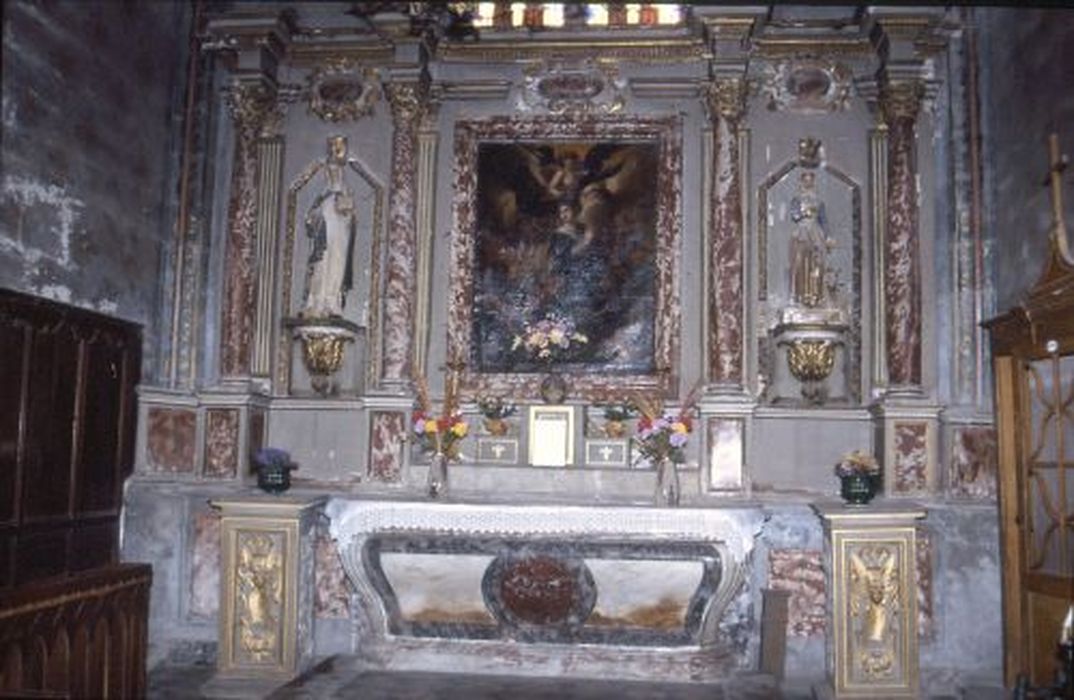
{"type": "Point", "coordinates": [560, 88]}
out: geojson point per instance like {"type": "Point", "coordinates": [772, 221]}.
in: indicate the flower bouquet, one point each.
{"type": "Point", "coordinates": [549, 339]}
{"type": "Point", "coordinates": [858, 472]}
{"type": "Point", "coordinates": [661, 440]}
{"type": "Point", "coordinates": [440, 433]}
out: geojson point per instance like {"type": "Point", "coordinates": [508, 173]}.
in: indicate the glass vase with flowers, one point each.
{"type": "Point", "coordinates": [661, 439]}
{"type": "Point", "coordinates": [439, 432]}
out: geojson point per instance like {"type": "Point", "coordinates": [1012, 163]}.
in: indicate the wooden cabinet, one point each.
{"type": "Point", "coordinates": [1033, 362]}
{"type": "Point", "coordinates": [67, 399]}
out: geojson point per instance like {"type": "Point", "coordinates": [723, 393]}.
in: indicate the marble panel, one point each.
{"type": "Point", "coordinates": [332, 592]}
{"type": "Point", "coordinates": [171, 439]}
{"type": "Point", "coordinates": [726, 438]}
{"type": "Point", "coordinates": [801, 573]}
{"type": "Point", "coordinates": [438, 588]}
{"type": "Point", "coordinates": [258, 421]}
{"type": "Point", "coordinates": [654, 594]}
{"type": "Point", "coordinates": [205, 566]}
{"type": "Point", "coordinates": [386, 439]}
{"type": "Point", "coordinates": [911, 457]}
{"type": "Point", "coordinates": [221, 442]}
{"type": "Point", "coordinates": [926, 628]}
{"type": "Point", "coordinates": [972, 472]}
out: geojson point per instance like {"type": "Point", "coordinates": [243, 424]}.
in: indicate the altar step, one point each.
{"type": "Point", "coordinates": [343, 677]}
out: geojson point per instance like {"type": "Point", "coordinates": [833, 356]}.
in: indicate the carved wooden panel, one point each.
{"type": "Point", "coordinates": [80, 637]}
{"type": "Point", "coordinates": [66, 435]}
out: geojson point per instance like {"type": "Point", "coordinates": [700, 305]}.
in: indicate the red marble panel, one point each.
{"type": "Point", "coordinates": [257, 430]}
{"type": "Point", "coordinates": [205, 565]}
{"type": "Point", "coordinates": [387, 434]}
{"type": "Point", "coordinates": [911, 457]}
{"type": "Point", "coordinates": [221, 442]}
{"type": "Point", "coordinates": [801, 573]}
{"type": "Point", "coordinates": [332, 590]}
{"type": "Point", "coordinates": [972, 473]}
{"type": "Point", "coordinates": [170, 439]}
{"type": "Point", "coordinates": [538, 590]}
{"type": "Point", "coordinates": [926, 628]}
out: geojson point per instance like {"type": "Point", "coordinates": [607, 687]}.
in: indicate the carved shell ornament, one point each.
{"type": "Point", "coordinates": [340, 90]}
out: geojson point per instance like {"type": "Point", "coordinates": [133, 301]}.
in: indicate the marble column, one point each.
{"type": "Point", "coordinates": [726, 103]}
{"type": "Point", "coordinates": [900, 102]}
{"type": "Point", "coordinates": [407, 101]}
{"type": "Point", "coordinates": [249, 104]}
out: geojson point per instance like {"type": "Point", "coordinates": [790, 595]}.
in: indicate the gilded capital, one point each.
{"type": "Point", "coordinates": [727, 98]}
{"type": "Point", "coordinates": [901, 100]}
{"type": "Point", "coordinates": [249, 105]}
{"type": "Point", "coordinates": [406, 100]}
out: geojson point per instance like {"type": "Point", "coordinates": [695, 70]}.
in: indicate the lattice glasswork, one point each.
{"type": "Point", "coordinates": [1049, 464]}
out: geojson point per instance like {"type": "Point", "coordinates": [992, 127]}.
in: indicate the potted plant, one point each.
{"type": "Point", "coordinates": [495, 411]}
{"type": "Point", "coordinates": [273, 467]}
{"type": "Point", "coordinates": [615, 417]}
{"type": "Point", "coordinates": [858, 474]}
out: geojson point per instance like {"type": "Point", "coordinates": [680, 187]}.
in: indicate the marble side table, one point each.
{"type": "Point", "coordinates": [872, 599]}
{"type": "Point", "coordinates": [266, 592]}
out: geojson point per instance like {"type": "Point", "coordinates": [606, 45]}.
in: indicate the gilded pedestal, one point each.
{"type": "Point", "coordinates": [872, 605]}
{"type": "Point", "coordinates": [266, 596]}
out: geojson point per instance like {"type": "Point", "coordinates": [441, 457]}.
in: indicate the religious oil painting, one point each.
{"type": "Point", "coordinates": [565, 256]}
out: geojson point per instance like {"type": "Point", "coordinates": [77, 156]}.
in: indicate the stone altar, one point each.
{"type": "Point", "coordinates": [542, 589]}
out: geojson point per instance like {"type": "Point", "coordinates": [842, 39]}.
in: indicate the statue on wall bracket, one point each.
{"type": "Point", "coordinates": [812, 327]}
{"type": "Point", "coordinates": [330, 225]}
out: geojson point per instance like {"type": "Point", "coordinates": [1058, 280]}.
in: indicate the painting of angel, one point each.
{"type": "Point", "coordinates": [566, 230]}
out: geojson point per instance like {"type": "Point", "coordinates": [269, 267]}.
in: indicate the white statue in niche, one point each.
{"type": "Point", "coordinates": [331, 223]}
{"type": "Point", "coordinates": [812, 280]}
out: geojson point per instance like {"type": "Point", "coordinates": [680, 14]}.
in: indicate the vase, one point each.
{"type": "Point", "coordinates": [274, 478]}
{"type": "Point", "coordinates": [858, 489]}
{"type": "Point", "coordinates": [436, 483]}
{"type": "Point", "coordinates": [667, 483]}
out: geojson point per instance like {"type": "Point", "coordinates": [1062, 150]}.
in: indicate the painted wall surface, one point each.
{"type": "Point", "coordinates": [1027, 92]}
{"type": "Point", "coordinates": [90, 95]}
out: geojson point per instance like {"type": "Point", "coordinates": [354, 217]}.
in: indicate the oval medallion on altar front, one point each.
{"type": "Point", "coordinates": [538, 590]}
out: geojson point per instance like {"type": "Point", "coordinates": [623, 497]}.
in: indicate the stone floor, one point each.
{"type": "Point", "coordinates": [340, 677]}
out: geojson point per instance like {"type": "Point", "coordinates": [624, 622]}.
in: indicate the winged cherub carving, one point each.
{"type": "Point", "coordinates": [873, 592]}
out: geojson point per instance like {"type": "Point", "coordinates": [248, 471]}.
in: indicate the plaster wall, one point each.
{"type": "Point", "coordinates": [89, 102]}
{"type": "Point", "coordinates": [1027, 92]}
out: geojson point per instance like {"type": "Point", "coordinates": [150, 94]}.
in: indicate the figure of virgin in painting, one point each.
{"type": "Point", "coordinates": [330, 226]}
{"type": "Point", "coordinates": [566, 229]}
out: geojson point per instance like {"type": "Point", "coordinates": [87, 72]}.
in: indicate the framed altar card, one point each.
{"type": "Point", "coordinates": [551, 431]}
{"type": "Point", "coordinates": [565, 254]}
